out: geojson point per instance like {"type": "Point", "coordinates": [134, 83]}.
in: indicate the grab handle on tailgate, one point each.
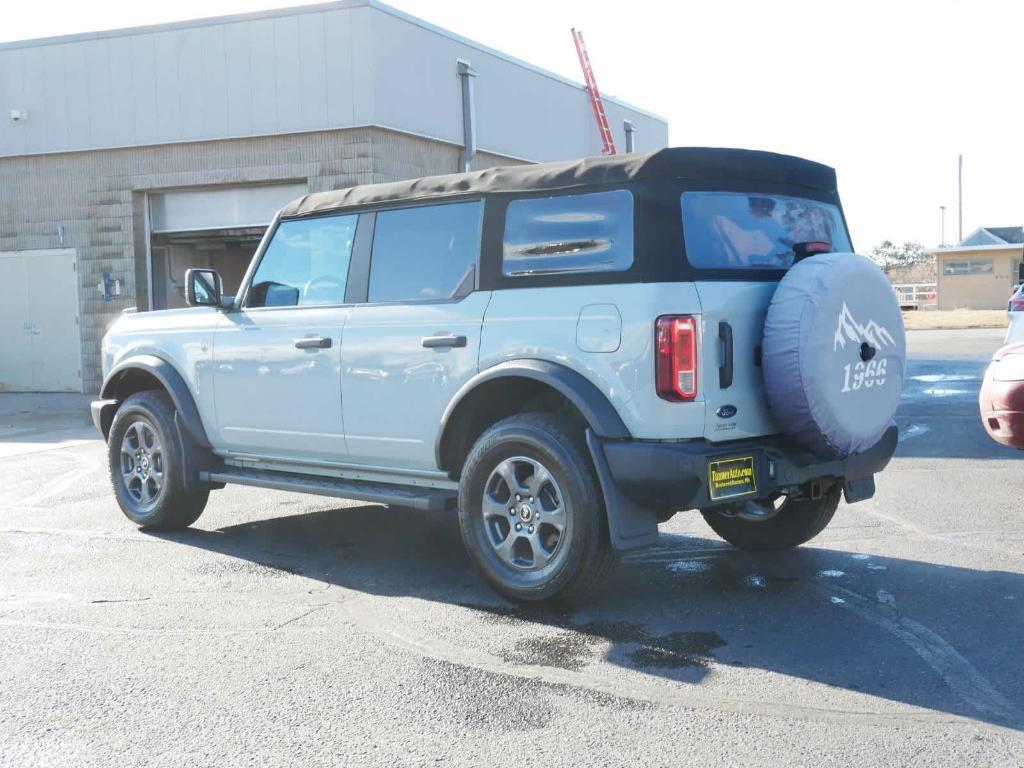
{"type": "Point", "coordinates": [725, 369]}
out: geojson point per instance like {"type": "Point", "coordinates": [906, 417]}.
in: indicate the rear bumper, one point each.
{"type": "Point", "coordinates": [1005, 427]}
{"type": "Point", "coordinates": [675, 475]}
{"type": "Point", "coordinates": [103, 415]}
{"type": "Point", "coordinates": [1002, 408]}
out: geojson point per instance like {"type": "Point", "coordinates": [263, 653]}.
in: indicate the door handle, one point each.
{"type": "Point", "coordinates": [432, 342]}
{"type": "Point", "coordinates": [725, 369]}
{"type": "Point", "coordinates": [313, 342]}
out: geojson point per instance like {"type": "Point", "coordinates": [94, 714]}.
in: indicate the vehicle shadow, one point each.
{"type": "Point", "coordinates": [942, 638]}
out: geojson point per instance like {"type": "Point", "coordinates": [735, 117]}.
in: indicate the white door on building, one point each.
{"type": "Point", "coordinates": [40, 343]}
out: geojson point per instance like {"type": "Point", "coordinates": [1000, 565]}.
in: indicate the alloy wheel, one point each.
{"type": "Point", "coordinates": [524, 513]}
{"type": "Point", "coordinates": [142, 463]}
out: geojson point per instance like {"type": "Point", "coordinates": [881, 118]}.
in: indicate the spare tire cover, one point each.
{"type": "Point", "coordinates": [834, 353]}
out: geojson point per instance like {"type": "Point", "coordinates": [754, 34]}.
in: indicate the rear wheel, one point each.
{"type": "Point", "coordinates": [793, 522]}
{"type": "Point", "coordinates": [146, 467]}
{"type": "Point", "coordinates": [530, 511]}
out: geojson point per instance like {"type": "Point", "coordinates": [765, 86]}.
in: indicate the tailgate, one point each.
{"type": "Point", "coordinates": [738, 409]}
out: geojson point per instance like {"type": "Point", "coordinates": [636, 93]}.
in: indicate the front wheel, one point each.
{"type": "Point", "coordinates": [794, 522]}
{"type": "Point", "coordinates": [146, 466]}
{"type": "Point", "coordinates": [530, 510]}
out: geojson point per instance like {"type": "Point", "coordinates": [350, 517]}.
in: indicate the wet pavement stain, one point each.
{"type": "Point", "coordinates": [566, 650]}
{"type": "Point", "coordinates": [733, 577]}
{"type": "Point", "coordinates": [286, 567]}
{"type": "Point", "coordinates": [578, 643]}
{"type": "Point", "coordinates": [678, 649]}
{"type": "Point", "coordinates": [267, 568]}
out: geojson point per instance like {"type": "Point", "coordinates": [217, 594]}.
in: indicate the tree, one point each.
{"type": "Point", "coordinates": [889, 255]}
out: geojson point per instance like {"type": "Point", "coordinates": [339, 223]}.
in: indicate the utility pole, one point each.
{"type": "Point", "coordinates": [942, 226]}
{"type": "Point", "coordinates": [960, 198]}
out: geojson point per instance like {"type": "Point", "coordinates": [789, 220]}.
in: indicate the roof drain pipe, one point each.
{"type": "Point", "coordinates": [466, 75]}
{"type": "Point", "coordinates": [630, 129]}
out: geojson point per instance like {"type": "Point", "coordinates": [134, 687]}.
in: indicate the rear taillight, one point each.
{"type": "Point", "coordinates": [1017, 305]}
{"type": "Point", "coordinates": [676, 367]}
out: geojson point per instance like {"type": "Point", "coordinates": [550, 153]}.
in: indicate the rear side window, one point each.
{"type": "Point", "coordinates": [305, 264]}
{"type": "Point", "coordinates": [737, 230]}
{"type": "Point", "coordinates": [569, 233]}
{"type": "Point", "coordinates": [425, 253]}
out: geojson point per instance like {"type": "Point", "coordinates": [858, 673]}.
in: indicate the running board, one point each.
{"type": "Point", "coordinates": [429, 499]}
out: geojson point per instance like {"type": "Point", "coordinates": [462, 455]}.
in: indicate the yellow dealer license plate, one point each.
{"type": "Point", "coordinates": [731, 477]}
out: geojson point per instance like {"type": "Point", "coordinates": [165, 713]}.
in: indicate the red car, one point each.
{"type": "Point", "coordinates": [1002, 396]}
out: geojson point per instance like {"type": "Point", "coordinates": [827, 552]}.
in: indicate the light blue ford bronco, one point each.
{"type": "Point", "coordinates": [568, 354]}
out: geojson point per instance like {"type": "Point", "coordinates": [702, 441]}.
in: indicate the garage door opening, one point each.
{"type": "Point", "coordinates": [228, 251]}
{"type": "Point", "coordinates": [218, 227]}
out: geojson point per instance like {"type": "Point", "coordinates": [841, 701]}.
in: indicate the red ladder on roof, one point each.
{"type": "Point", "coordinates": [607, 139]}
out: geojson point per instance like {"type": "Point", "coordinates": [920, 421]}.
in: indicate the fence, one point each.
{"type": "Point", "coordinates": [917, 295]}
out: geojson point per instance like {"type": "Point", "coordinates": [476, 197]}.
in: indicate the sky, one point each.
{"type": "Point", "coordinates": [888, 93]}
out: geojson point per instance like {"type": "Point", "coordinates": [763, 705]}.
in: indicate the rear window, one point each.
{"type": "Point", "coordinates": [569, 234]}
{"type": "Point", "coordinates": [738, 230]}
{"type": "Point", "coordinates": [425, 254]}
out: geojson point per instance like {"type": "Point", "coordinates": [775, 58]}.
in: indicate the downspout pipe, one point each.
{"type": "Point", "coordinates": [630, 127]}
{"type": "Point", "coordinates": [467, 75]}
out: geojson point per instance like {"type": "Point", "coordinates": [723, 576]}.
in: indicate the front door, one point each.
{"type": "Point", "coordinates": [415, 341]}
{"type": "Point", "coordinates": [277, 359]}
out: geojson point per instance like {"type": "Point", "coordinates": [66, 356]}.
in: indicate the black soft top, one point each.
{"type": "Point", "coordinates": [697, 165]}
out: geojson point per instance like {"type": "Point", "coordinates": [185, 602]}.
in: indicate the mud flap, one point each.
{"type": "Point", "coordinates": [859, 489]}
{"type": "Point", "coordinates": [630, 526]}
{"type": "Point", "coordinates": [195, 459]}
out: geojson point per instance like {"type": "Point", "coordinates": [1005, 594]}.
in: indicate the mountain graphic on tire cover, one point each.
{"type": "Point", "coordinates": [834, 353]}
{"type": "Point", "coordinates": [849, 329]}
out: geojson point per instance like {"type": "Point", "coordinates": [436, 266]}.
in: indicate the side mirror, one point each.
{"type": "Point", "coordinates": [203, 288]}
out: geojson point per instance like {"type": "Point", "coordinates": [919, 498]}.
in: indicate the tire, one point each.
{"type": "Point", "coordinates": [834, 354]}
{"type": "Point", "coordinates": [543, 453]}
{"type": "Point", "coordinates": [146, 467]}
{"type": "Point", "coordinates": [796, 522]}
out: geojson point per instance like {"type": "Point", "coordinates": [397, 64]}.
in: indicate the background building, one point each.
{"type": "Point", "coordinates": [127, 156]}
{"type": "Point", "coordinates": [981, 271]}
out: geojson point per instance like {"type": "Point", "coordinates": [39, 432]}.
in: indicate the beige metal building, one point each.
{"type": "Point", "coordinates": [128, 156]}
{"type": "Point", "coordinates": [981, 271]}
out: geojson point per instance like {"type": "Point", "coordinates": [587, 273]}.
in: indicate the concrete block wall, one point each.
{"type": "Point", "coordinates": [98, 197]}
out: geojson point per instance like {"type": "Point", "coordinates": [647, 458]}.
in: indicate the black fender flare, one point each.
{"type": "Point", "coordinates": [172, 382]}
{"type": "Point", "coordinates": [630, 525]}
{"type": "Point", "coordinates": [599, 413]}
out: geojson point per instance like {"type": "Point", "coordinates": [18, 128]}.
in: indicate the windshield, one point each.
{"type": "Point", "coordinates": [740, 230]}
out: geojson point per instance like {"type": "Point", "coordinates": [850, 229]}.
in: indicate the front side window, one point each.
{"type": "Point", "coordinates": [968, 267]}
{"type": "Point", "coordinates": [569, 234]}
{"type": "Point", "coordinates": [739, 230]}
{"type": "Point", "coordinates": [426, 253]}
{"type": "Point", "coordinates": [305, 264]}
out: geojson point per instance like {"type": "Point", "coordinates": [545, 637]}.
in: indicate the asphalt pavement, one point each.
{"type": "Point", "coordinates": [296, 630]}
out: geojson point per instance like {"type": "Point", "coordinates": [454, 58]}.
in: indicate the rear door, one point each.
{"type": "Point", "coordinates": [415, 340]}
{"type": "Point", "coordinates": [745, 242]}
